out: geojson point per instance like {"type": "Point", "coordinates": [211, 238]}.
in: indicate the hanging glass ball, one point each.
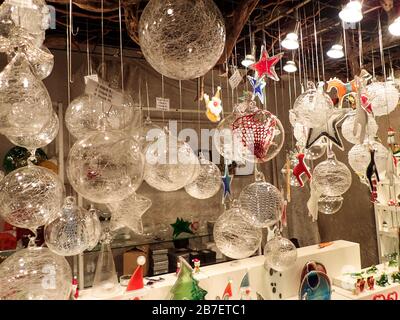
{"type": "Point", "coordinates": [170, 164]}
{"type": "Point", "coordinates": [293, 180]}
{"type": "Point", "coordinates": [330, 205]}
{"type": "Point", "coordinates": [26, 106]}
{"type": "Point", "coordinates": [332, 177]}
{"type": "Point", "coordinates": [261, 204]}
{"type": "Point", "coordinates": [383, 96]}
{"type": "Point", "coordinates": [146, 133]}
{"type": "Point", "coordinates": [280, 254]}
{"type": "Point", "coordinates": [208, 182]}
{"type": "Point", "coordinates": [68, 234]}
{"type": "Point", "coordinates": [189, 53]}
{"type": "Point", "coordinates": [316, 151]}
{"type": "Point", "coordinates": [348, 126]}
{"type": "Point", "coordinates": [35, 273]}
{"type": "Point", "coordinates": [42, 139]}
{"type": "Point", "coordinates": [107, 166]}
{"type": "Point", "coordinates": [234, 236]}
{"type": "Point", "coordinates": [30, 197]}
{"type": "Point", "coordinates": [261, 133]}
{"type": "Point", "coordinates": [311, 108]}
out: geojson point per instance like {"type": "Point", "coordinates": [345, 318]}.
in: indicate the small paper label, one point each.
{"type": "Point", "coordinates": [93, 77]}
{"type": "Point", "coordinates": [235, 79]}
{"type": "Point", "coordinates": [162, 103]}
{"type": "Point", "coordinates": [21, 3]}
{"type": "Point", "coordinates": [102, 90]}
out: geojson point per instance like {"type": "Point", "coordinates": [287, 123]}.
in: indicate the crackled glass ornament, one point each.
{"type": "Point", "coordinates": [170, 164]}
{"type": "Point", "coordinates": [68, 234]}
{"type": "Point", "coordinates": [311, 108]}
{"type": "Point", "coordinates": [35, 273]}
{"type": "Point", "coordinates": [261, 203]}
{"type": "Point", "coordinates": [316, 151]}
{"type": "Point", "coordinates": [234, 236]}
{"type": "Point", "coordinates": [30, 197]}
{"type": "Point", "coordinates": [189, 53]}
{"type": "Point", "coordinates": [280, 254]}
{"type": "Point", "coordinates": [207, 183]}
{"type": "Point", "coordinates": [330, 205]}
{"type": "Point", "coordinates": [261, 133]}
{"type": "Point", "coordinates": [87, 114]}
{"type": "Point", "coordinates": [331, 177]}
{"type": "Point", "coordinates": [348, 127]}
{"type": "Point", "coordinates": [41, 139]}
{"type": "Point", "coordinates": [105, 167]}
{"type": "Point", "coordinates": [26, 106]}
{"type": "Point", "coordinates": [383, 97]}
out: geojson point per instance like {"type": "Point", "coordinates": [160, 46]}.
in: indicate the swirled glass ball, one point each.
{"type": "Point", "coordinates": [35, 273]}
{"type": "Point", "coordinates": [330, 205]}
{"type": "Point", "coordinates": [261, 204]}
{"type": "Point", "coordinates": [42, 139]}
{"type": "Point", "coordinates": [170, 164]}
{"type": "Point", "coordinates": [316, 151]}
{"type": "Point", "coordinates": [26, 106]}
{"type": "Point", "coordinates": [30, 197]}
{"type": "Point", "coordinates": [280, 254]}
{"type": "Point", "coordinates": [182, 39]}
{"type": "Point", "coordinates": [332, 177]}
{"type": "Point", "coordinates": [383, 96]}
{"type": "Point", "coordinates": [234, 236]}
{"type": "Point", "coordinates": [68, 234]}
{"type": "Point", "coordinates": [348, 126]}
{"type": "Point", "coordinates": [107, 166]}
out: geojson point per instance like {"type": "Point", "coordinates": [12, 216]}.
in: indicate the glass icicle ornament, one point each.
{"type": "Point", "coordinates": [234, 236]}
{"type": "Point", "coordinates": [105, 167]}
{"type": "Point", "coordinates": [311, 108]}
{"type": "Point", "coordinates": [69, 233]}
{"type": "Point", "coordinates": [170, 163]}
{"type": "Point", "coordinates": [26, 106]}
{"type": "Point", "coordinates": [35, 273]}
{"type": "Point", "coordinates": [189, 53]}
{"type": "Point", "coordinates": [280, 254]}
{"type": "Point", "coordinates": [30, 197]}
{"type": "Point", "coordinates": [330, 205]}
{"type": "Point", "coordinates": [208, 182]}
{"type": "Point", "coordinates": [383, 97]}
{"type": "Point", "coordinates": [261, 202]}
{"type": "Point", "coordinates": [348, 127]}
{"type": "Point", "coordinates": [94, 224]}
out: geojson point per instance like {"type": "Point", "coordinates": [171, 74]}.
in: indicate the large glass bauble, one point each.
{"type": "Point", "coordinates": [360, 157]}
{"type": "Point", "coordinates": [35, 273]}
{"type": "Point", "coordinates": [30, 197]}
{"type": "Point", "coordinates": [348, 127]}
{"type": "Point", "coordinates": [182, 39]}
{"type": "Point", "coordinates": [107, 166]}
{"type": "Point", "coordinates": [280, 254]}
{"type": "Point", "coordinates": [383, 97]}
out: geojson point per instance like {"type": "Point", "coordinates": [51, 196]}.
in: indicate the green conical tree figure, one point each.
{"type": "Point", "coordinates": [186, 286]}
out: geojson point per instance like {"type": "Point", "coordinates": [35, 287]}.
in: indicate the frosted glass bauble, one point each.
{"type": "Point", "coordinates": [332, 177]}
{"type": "Point", "coordinates": [182, 39]}
{"type": "Point", "coordinates": [207, 183]}
{"type": "Point", "coordinates": [316, 151]}
{"type": "Point", "coordinates": [330, 205]}
{"type": "Point", "coordinates": [42, 139]}
{"type": "Point", "coordinates": [107, 166]}
{"type": "Point", "coordinates": [26, 106]}
{"type": "Point", "coordinates": [30, 197]}
{"type": "Point", "coordinates": [170, 164]}
{"type": "Point", "coordinates": [280, 254]}
{"type": "Point", "coordinates": [383, 97]}
{"type": "Point", "coordinates": [348, 126]}
{"type": "Point", "coordinates": [234, 236]}
{"type": "Point", "coordinates": [35, 273]}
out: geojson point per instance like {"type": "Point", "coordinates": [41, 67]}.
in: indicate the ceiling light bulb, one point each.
{"type": "Point", "coordinates": [290, 67]}
{"type": "Point", "coordinates": [394, 27]}
{"type": "Point", "coordinates": [351, 13]}
{"type": "Point", "coordinates": [248, 60]}
{"type": "Point", "coordinates": [291, 41]}
{"type": "Point", "coordinates": [336, 52]}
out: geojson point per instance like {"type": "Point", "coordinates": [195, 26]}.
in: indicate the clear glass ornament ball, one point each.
{"type": "Point", "coordinates": [30, 197]}
{"type": "Point", "coordinates": [189, 53]}
{"type": "Point", "coordinates": [146, 133]}
{"type": "Point", "coordinates": [348, 127]}
{"type": "Point", "coordinates": [234, 236]}
{"type": "Point", "coordinates": [316, 151]}
{"type": "Point", "coordinates": [330, 205]}
{"type": "Point", "coordinates": [35, 273]}
{"type": "Point", "coordinates": [384, 97]}
{"type": "Point", "coordinates": [280, 254]}
{"type": "Point", "coordinates": [107, 166]}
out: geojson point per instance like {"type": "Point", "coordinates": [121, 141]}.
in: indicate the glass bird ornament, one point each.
{"type": "Point", "coordinates": [280, 254]}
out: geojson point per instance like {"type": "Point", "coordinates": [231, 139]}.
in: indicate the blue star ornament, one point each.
{"type": "Point", "coordinates": [258, 87]}
{"type": "Point", "coordinates": [227, 181]}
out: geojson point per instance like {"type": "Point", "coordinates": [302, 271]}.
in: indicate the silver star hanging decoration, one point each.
{"type": "Point", "coordinates": [328, 130]}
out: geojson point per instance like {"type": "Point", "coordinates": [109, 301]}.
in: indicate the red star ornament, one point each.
{"type": "Point", "coordinates": [266, 65]}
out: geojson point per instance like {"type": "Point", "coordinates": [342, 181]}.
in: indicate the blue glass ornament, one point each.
{"type": "Point", "coordinates": [315, 286]}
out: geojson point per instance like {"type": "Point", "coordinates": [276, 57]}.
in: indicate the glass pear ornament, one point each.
{"type": "Point", "coordinates": [330, 205]}
{"type": "Point", "coordinates": [234, 236]}
{"type": "Point", "coordinates": [105, 167]}
{"type": "Point", "coordinates": [30, 197]}
{"type": "Point", "coordinates": [35, 273]}
{"type": "Point", "coordinates": [383, 97]}
{"type": "Point", "coordinates": [280, 254]}
{"type": "Point", "coordinates": [189, 53]}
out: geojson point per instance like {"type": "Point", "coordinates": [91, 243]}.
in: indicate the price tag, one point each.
{"type": "Point", "coordinates": [235, 79]}
{"type": "Point", "coordinates": [21, 3]}
{"type": "Point", "coordinates": [162, 103]}
{"type": "Point", "coordinates": [93, 77]}
{"type": "Point", "coordinates": [102, 90]}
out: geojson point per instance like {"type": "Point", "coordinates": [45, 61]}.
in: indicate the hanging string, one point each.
{"type": "Point", "coordinates": [140, 99]}
{"type": "Point", "coordinates": [198, 107]}
{"type": "Point", "coordinates": [373, 64]}
{"type": "Point", "coordinates": [345, 51]}
{"type": "Point", "coordinates": [68, 60]}
{"type": "Point", "coordinates": [180, 103]}
{"type": "Point", "coordinates": [360, 46]}
{"type": "Point", "coordinates": [316, 49]}
{"type": "Point", "coordinates": [89, 66]}
{"type": "Point", "coordinates": [102, 41]}
{"type": "Point", "coordinates": [148, 99]}
{"type": "Point", "coordinates": [120, 44]}
{"type": "Point", "coordinates": [69, 45]}
{"type": "Point", "coordinates": [320, 43]}
{"type": "Point", "coordinates": [381, 47]}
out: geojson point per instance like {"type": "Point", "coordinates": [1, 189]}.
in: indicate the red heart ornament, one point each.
{"type": "Point", "coordinates": [379, 297]}
{"type": "Point", "coordinates": [392, 296]}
